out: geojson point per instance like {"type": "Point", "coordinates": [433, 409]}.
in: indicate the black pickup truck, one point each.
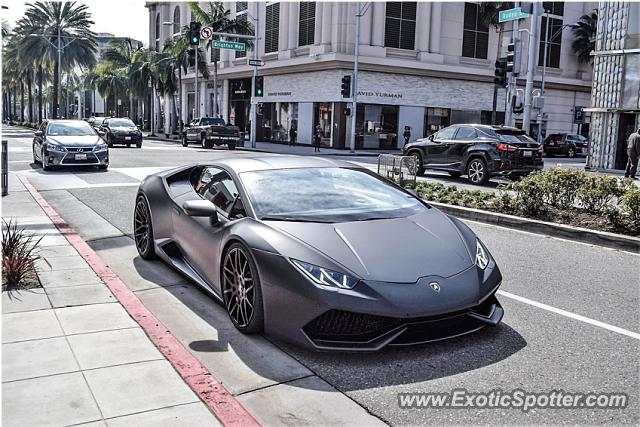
{"type": "Point", "coordinates": [209, 132]}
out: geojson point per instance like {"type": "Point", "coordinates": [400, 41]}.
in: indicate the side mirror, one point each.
{"type": "Point", "coordinates": [430, 137]}
{"type": "Point", "coordinates": [201, 208]}
{"type": "Point", "coordinates": [39, 133]}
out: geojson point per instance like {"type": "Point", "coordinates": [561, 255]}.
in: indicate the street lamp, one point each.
{"type": "Point", "coordinates": [544, 67]}
{"type": "Point", "coordinates": [59, 48]}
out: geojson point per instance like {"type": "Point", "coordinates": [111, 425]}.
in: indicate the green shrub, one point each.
{"type": "Point", "coordinates": [560, 186]}
{"type": "Point", "coordinates": [529, 198]}
{"type": "Point", "coordinates": [598, 193]}
{"type": "Point", "coordinates": [630, 205]}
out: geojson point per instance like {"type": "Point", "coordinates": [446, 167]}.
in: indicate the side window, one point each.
{"type": "Point", "coordinates": [466, 134]}
{"type": "Point", "coordinates": [217, 186]}
{"type": "Point", "coordinates": [445, 134]}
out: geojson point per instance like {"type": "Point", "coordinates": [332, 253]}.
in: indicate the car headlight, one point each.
{"type": "Point", "coordinates": [482, 255]}
{"type": "Point", "coordinates": [324, 276]}
{"type": "Point", "coordinates": [100, 147]}
{"type": "Point", "coordinates": [55, 147]}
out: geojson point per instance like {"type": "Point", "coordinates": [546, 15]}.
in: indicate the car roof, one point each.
{"type": "Point", "coordinates": [261, 163]}
{"type": "Point", "coordinates": [494, 127]}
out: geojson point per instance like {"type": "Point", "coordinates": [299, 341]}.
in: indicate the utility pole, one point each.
{"type": "Point", "coordinates": [254, 106]}
{"type": "Point", "coordinates": [354, 83]}
{"type": "Point", "coordinates": [544, 69]}
{"type": "Point", "coordinates": [509, 119]}
{"type": "Point", "coordinates": [56, 114]}
{"type": "Point", "coordinates": [531, 65]}
{"type": "Point", "coordinates": [196, 49]}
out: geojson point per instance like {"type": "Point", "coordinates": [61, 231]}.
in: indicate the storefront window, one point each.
{"type": "Point", "coordinates": [436, 119]}
{"type": "Point", "coordinates": [377, 126]}
{"type": "Point", "coordinates": [465, 116]}
{"type": "Point", "coordinates": [239, 104]}
{"type": "Point", "coordinates": [323, 117]}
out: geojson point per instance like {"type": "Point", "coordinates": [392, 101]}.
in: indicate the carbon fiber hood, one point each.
{"type": "Point", "coordinates": [389, 250]}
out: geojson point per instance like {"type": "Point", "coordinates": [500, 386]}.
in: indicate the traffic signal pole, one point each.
{"type": "Point", "coordinates": [531, 65]}
{"type": "Point", "coordinates": [354, 82]}
{"type": "Point", "coordinates": [254, 109]}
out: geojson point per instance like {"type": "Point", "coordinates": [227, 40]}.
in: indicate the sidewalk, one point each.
{"type": "Point", "coordinates": [71, 354]}
{"type": "Point", "coordinates": [298, 149]}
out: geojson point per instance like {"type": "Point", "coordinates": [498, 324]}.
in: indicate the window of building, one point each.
{"type": "Point", "coordinates": [176, 20]}
{"type": "Point", "coordinates": [307, 25]}
{"type": "Point", "coordinates": [157, 34]}
{"type": "Point", "coordinates": [436, 119]}
{"type": "Point", "coordinates": [555, 11]}
{"type": "Point", "coordinates": [400, 25]}
{"type": "Point", "coordinates": [272, 28]}
{"type": "Point", "coordinates": [475, 35]}
{"type": "Point", "coordinates": [242, 9]}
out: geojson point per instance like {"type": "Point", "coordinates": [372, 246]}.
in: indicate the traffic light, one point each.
{"type": "Point", "coordinates": [259, 86]}
{"type": "Point", "coordinates": [346, 111]}
{"type": "Point", "coordinates": [194, 33]}
{"type": "Point", "coordinates": [345, 88]}
{"type": "Point", "coordinates": [501, 72]}
{"type": "Point", "coordinates": [514, 51]}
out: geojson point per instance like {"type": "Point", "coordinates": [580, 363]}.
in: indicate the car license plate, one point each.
{"type": "Point", "coordinates": [552, 143]}
{"type": "Point", "coordinates": [127, 138]}
{"type": "Point", "coordinates": [527, 153]}
{"type": "Point", "coordinates": [81, 157]}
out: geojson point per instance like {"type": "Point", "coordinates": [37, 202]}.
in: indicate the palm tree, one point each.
{"type": "Point", "coordinates": [120, 54]}
{"type": "Point", "coordinates": [179, 50]}
{"type": "Point", "coordinates": [111, 81]}
{"type": "Point", "coordinates": [72, 22]}
{"type": "Point", "coordinates": [219, 19]}
{"type": "Point", "coordinates": [584, 33]}
{"type": "Point", "coordinates": [143, 77]}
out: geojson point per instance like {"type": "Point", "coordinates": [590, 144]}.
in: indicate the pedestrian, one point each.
{"type": "Point", "coordinates": [293, 134]}
{"type": "Point", "coordinates": [317, 138]}
{"type": "Point", "coordinates": [633, 151]}
{"type": "Point", "coordinates": [406, 134]}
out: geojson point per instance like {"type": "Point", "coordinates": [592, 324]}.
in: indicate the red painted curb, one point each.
{"type": "Point", "coordinates": [219, 401]}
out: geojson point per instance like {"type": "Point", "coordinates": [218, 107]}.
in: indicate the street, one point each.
{"type": "Point", "coordinates": [571, 313]}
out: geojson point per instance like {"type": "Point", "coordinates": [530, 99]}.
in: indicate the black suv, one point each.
{"type": "Point", "coordinates": [478, 151]}
{"type": "Point", "coordinates": [120, 131]}
{"type": "Point", "coordinates": [566, 144]}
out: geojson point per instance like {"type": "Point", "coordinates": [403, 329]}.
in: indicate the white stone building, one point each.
{"type": "Point", "coordinates": [423, 65]}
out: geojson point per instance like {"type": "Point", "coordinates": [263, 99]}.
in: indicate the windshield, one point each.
{"type": "Point", "coordinates": [121, 123]}
{"type": "Point", "coordinates": [209, 121]}
{"type": "Point", "coordinates": [78, 128]}
{"type": "Point", "coordinates": [326, 195]}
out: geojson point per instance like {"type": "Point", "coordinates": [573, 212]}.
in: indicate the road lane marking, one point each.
{"type": "Point", "coordinates": [570, 315]}
{"type": "Point", "coordinates": [213, 394]}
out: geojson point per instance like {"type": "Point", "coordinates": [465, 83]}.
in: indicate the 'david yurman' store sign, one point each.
{"type": "Point", "coordinates": [377, 94]}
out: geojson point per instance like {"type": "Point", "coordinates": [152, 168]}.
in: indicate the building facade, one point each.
{"type": "Point", "coordinates": [615, 101]}
{"type": "Point", "coordinates": [423, 65]}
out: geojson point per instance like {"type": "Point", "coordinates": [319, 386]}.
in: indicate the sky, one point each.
{"type": "Point", "coordinates": [125, 18]}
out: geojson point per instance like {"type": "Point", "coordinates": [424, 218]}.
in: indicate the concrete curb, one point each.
{"type": "Point", "coordinates": [601, 238]}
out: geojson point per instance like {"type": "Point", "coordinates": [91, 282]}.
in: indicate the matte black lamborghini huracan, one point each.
{"type": "Point", "coordinates": [318, 252]}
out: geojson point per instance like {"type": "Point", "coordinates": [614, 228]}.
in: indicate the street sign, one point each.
{"type": "Point", "coordinates": [511, 15]}
{"type": "Point", "coordinates": [221, 44]}
{"type": "Point", "coordinates": [256, 63]}
{"type": "Point", "coordinates": [578, 115]}
{"type": "Point", "coordinates": [206, 32]}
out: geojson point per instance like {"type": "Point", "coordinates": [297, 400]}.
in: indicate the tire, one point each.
{"type": "Point", "coordinates": [204, 142]}
{"type": "Point", "coordinates": [455, 174]}
{"type": "Point", "coordinates": [231, 146]}
{"type": "Point", "coordinates": [139, 145]}
{"type": "Point", "coordinates": [420, 169]}
{"type": "Point", "coordinates": [103, 167]}
{"type": "Point", "coordinates": [241, 293]}
{"type": "Point", "coordinates": [143, 229]}
{"type": "Point", "coordinates": [185, 142]}
{"type": "Point", "coordinates": [45, 164]}
{"type": "Point", "coordinates": [477, 173]}
{"type": "Point", "coordinates": [35, 159]}
{"type": "Point", "coordinates": [571, 152]}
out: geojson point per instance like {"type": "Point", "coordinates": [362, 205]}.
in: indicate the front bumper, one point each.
{"type": "Point", "coordinates": [373, 315]}
{"type": "Point", "coordinates": [222, 139]}
{"type": "Point", "coordinates": [75, 158]}
{"type": "Point", "coordinates": [122, 138]}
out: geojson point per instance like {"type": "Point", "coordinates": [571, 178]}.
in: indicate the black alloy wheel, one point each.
{"type": "Point", "coordinates": [571, 152]}
{"type": "Point", "coordinates": [142, 229]}
{"type": "Point", "coordinates": [241, 290]}
{"type": "Point", "coordinates": [45, 163]}
{"type": "Point", "coordinates": [419, 168]}
{"type": "Point", "coordinates": [35, 158]}
{"type": "Point", "coordinates": [477, 172]}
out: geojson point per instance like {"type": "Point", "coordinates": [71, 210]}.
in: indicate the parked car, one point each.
{"type": "Point", "coordinates": [69, 143]}
{"type": "Point", "coordinates": [209, 131]}
{"type": "Point", "coordinates": [120, 131]}
{"type": "Point", "coordinates": [478, 151]}
{"type": "Point", "coordinates": [290, 245]}
{"type": "Point", "coordinates": [566, 144]}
